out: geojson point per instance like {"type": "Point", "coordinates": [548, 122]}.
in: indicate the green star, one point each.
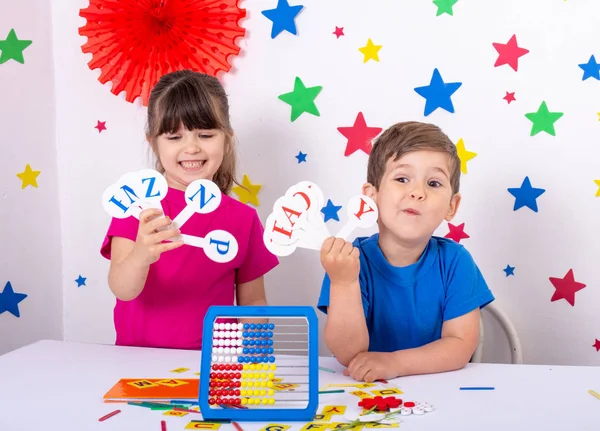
{"type": "Point", "coordinates": [12, 48]}
{"type": "Point", "coordinates": [543, 120]}
{"type": "Point", "coordinates": [302, 99]}
{"type": "Point", "coordinates": [444, 6]}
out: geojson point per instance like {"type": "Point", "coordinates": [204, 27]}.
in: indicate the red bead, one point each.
{"type": "Point", "coordinates": [240, 367]}
{"type": "Point", "coordinates": [237, 384]}
{"type": "Point", "coordinates": [218, 392]}
{"type": "Point", "coordinates": [227, 367]}
{"type": "Point", "coordinates": [213, 375]}
{"type": "Point", "coordinates": [237, 393]}
{"type": "Point", "coordinates": [211, 401]}
{"type": "Point", "coordinates": [219, 375]}
{"type": "Point", "coordinates": [238, 375]}
{"type": "Point", "coordinates": [219, 400]}
{"type": "Point", "coordinates": [230, 392]}
{"type": "Point", "coordinates": [221, 367]}
{"type": "Point", "coordinates": [238, 401]}
{"type": "Point", "coordinates": [215, 367]}
{"type": "Point", "coordinates": [409, 404]}
{"type": "Point", "coordinates": [212, 393]}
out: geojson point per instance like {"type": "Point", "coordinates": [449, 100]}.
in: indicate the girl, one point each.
{"type": "Point", "coordinates": [163, 289]}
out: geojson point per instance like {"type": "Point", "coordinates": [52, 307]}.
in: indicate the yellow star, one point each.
{"type": "Point", "coordinates": [370, 51]}
{"type": "Point", "coordinates": [464, 155]}
{"type": "Point", "coordinates": [28, 177]}
{"type": "Point", "coordinates": [598, 184]}
{"type": "Point", "coordinates": [247, 192]}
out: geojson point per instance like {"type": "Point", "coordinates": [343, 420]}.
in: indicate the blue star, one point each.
{"type": "Point", "coordinates": [510, 270]}
{"type": "Point", "coordinates": [9, 300]}
{"type": "Point", "coordinates": [80, 281]}
{"type": "Point", "coordinates": [437, 93]}
{"type": "Point", "coordinates": [591, 69]}
{"type": "Point", "coordinates": [283, 17]}
{"type": "Point", "coordinates": [526, 195]}
{"type": "Point", "coordinates": [331, 211]}
{"type": "Point", "coordinates": [301, 157]}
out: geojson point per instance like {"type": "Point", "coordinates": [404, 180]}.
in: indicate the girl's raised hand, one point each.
{"type": "Point", "coordinates": [149, 244]}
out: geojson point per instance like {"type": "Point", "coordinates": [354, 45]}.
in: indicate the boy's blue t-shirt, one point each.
{"type": "Point", "coordinates": [405, 307]}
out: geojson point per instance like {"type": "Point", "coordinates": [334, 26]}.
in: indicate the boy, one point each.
{"type": "Point", "coordinates": [402, 301]}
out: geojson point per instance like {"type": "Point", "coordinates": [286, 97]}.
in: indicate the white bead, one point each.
{"type": "Point", "coordinates": [220, 350]}
{"type": "Point", "coordinates": [214, 358]}
{"type": "Point", "coordinates": [215, 350]}
{"type": "Point", "coordinates": [227, 358]}
{"type": "Point", "coordinates": [405, 412]}
{"type": "Point", "coordinates": [221, 358]}
{"type": "Point", "coordinates": [228, 325]}
{"type": "Point", "coordinates": [228, 351]}
{"type": "Point", "coordinates": [240, 326]}
{"type": "Point", "coordinates": [239, 350]}
{"type": "Point", "coordinates": [418, 411]}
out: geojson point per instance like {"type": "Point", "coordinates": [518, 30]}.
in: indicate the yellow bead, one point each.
{"type": "Point", "coordinates": [273, 367]}
{"type": "Point", "coordinates": [263, 392]}
{"type": "Point", "coordinates": [244, 375]}
{"type": "Point", "coordinates": [263, 376]}
{"type": "Point", "coordinates": [244, 384]}
{"type": "Point", "coordinates": [250, 401]}
{"type": "Point", "coordinates": [252, 367]}
{"type": "Point", "coordinates": [265, 367]}
{"type": "Point", "coordinates": [243, 392]}
{"type": "Point", "coordinates": [271, 392]}
{"type": "Point", "coordinates": [271, 400]}
{"type": "Point", "coordinates": [263, 384]}
{"type": "Point", "coordinates": [244, 401]}
{"type": "Point", "coordinates": [265, 401]}
{"type": "Point", "coordinates": [257, 375]}
{"type": "Point", "coordinates": [271, 375]}
{"type": "Point", "coordinates": [269, 384]}
{"type": "Point", "coordinates": [245, 366]}
{"type": "Point", "coordinates": [250, 384]}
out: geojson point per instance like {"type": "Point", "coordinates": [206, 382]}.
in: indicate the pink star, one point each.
{"type": "Point", "coordinates": [566, 288]}
{"type": "Point", "coordinates": [597, 345]}
{"type": "Point", "coordinates": [339, 31]}
{"type": "Point", "coordinates": [510, 97]}
{"type": "Point", "coordinates": [509, 53]}
{"type": "Point", "coordinates": [100, 126]}
{"type": "Point", "coordinates": [456, 232]}
{"type": "Point", "coordinates": [359, 135]}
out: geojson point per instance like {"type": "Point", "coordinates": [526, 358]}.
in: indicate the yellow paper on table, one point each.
{"type": "Point", "coordinates": [174, 413]}
{"type": "Point", "coordinates": [275, 427]}
{"type": "Point", "coordinates": [315, 426]}
{"type": "Point", "coordinates": [338, 425]}
{"type": "Point", "coordinates": [361, 394]}
{"type": "Point", "coordinates": [322, 417]}
{"type": "Point", "coordinates": [387, 392]}
{"type": "Point", "coordinates": [334, 410]}
{"type": "Point", "coordinates": [202, 426]}
{"type": "Point", "coordinates": [180, 370]}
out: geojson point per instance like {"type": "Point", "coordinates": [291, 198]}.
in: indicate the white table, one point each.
{"type": "Point", "coordinates": [52, 385]}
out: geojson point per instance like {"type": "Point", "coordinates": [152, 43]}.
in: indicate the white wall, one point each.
{"type": "Point", "coordinates": [415, 42]}
{"type": "Point", "coordinates": [30, 220]}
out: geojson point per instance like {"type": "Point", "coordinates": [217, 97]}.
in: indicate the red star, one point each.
{"type": "Point", "coordinates": [510, 97]}
{"type": "Point", "coordinates": [359, 135]}
{"type": "Point", "coordinates": [456, 232]}
{"type": "Point", "coordinates": [100, 126]}
{"type": "Point", "coordinates": [597, 344]}
{"type": "Point", "coordinates": [339, 31]}
{"type": "Point", "coordinates": [509, 53]}
{"type": "Point", "coordinates": [566, 288]}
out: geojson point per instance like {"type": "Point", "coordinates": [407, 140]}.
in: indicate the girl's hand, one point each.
{"type": "Point", "coordinates": [341, 261]}
{"type": "Point", "coordinates": [149, 243]}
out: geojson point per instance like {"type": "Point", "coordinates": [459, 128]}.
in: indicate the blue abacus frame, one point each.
{"type": "Point", "coordinates": [258, 414]}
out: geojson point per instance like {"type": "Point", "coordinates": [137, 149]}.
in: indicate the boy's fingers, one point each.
{"type": "Point", "coordinates": [164, 235]}
{"type": "Point", "coordinates": [326, 247]}
{"type": "Point", "coordinates": [157, 223]}
{"type": "Point", "coordinates": [170, 246]}
{"type": "Point", "coordinates": [149, 214]}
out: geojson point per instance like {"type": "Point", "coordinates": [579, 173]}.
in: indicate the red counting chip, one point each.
{"type": "Point", "coordinates": [409, 404]}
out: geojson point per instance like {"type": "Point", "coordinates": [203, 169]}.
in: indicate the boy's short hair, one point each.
{"type": "Point", "coordinates": [406, 137]}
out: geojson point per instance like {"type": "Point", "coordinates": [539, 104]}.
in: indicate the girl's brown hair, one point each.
{"type": "Point", "coordinates": [198, 101]}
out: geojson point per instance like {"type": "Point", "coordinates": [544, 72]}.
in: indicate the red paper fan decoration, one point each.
{"type": "Point", "coordinates": [135, 42]}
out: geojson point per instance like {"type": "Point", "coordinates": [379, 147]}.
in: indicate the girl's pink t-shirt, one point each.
{"type": "Point", "coordinates": [184, 282]}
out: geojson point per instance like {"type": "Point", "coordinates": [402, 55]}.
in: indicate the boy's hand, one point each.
{"type": "Point", "coordinates": [149, 242]}
{"type": "Point", "coordinates": [341, 260]}
{"type": "Point", "coordinates": [371, 366]}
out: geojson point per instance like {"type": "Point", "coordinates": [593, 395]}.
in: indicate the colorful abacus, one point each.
{"type": "Point", "coordinates": [241, 363]}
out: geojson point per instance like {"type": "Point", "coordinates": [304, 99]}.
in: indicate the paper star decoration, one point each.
{"type": "Point", "coordinates": [331, 211]}
{"type": "Point", "coordinates": [464, 155]}
{"type": "Point", "coordinates": [80, 281]}
{"type": "Point", "coordinates": [598, 184]}
{"type": "Point", "coordinates": [100, 126]}
{"type": "Point", "coordinates": [9, 300]}
{"type": "Point", "coordinates": [301, 157]}
{"type": "Point", "coordinates": [509, 270]}
{"type": "Point", "coordinates": [339, 31]}
{"type": "Point", "coordinates": [444, 6]}
{"type": "Point", "coordinates": [28, 177]}
{"type": "Point", "coordinates": [282, 17]}
{"type": "Point", "coordinates": [509, 53]}
{"type": "Point", "coordinates": [525, 196]}
{"type": "Point", "coordinates": [566, 288]}
{"type": "Point", "coordinates": [247, 192]}
{"type": "Point", "coordinates": [370, 51]}
{"type": "Point", "coordinates": [510, 97]}
{"type": "Point", "coordinates": [591, 69]}
{"type": "Point", "coordinates": [302, 99]}
{"type": "Point", "coordinates": [543, 120]}
{"type": "Point", "coordinates": [456, 232]}
{"type": "Point", "coordinates": [597, 345]}
{"type": "Point", "coordinates": [437, 94]}
{"type": "Point", "coordinates": [12, 48]}
{"type": "Point", "coordinates": [359, 136]}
